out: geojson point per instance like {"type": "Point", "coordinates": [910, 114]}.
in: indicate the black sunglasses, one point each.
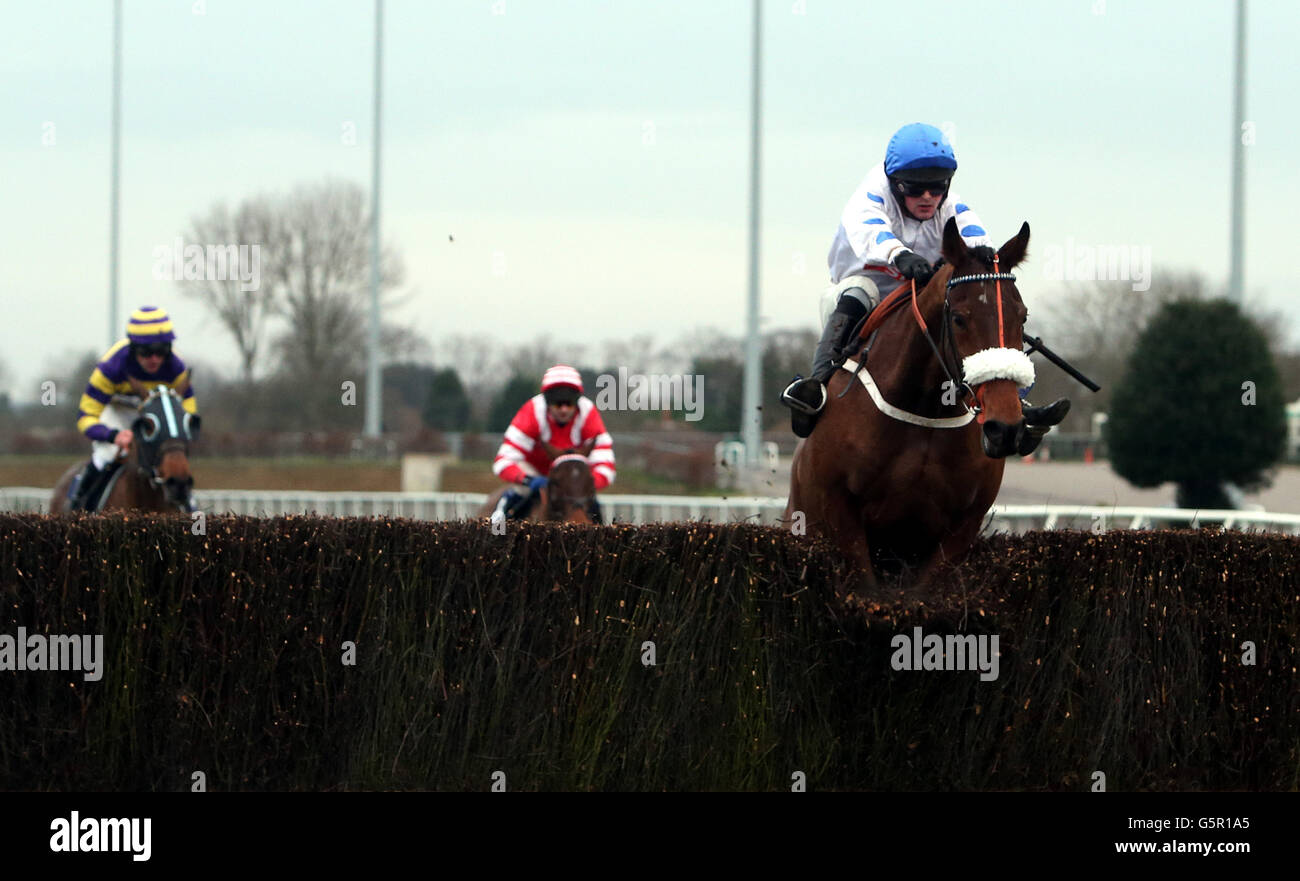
{"type": "Point", "coordinates": [154, 349]}
{"type": "Point", "coordinates": [909, 188]}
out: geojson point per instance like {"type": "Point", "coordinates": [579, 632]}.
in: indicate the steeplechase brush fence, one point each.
{"type": "Point", "coordinates": [354, 654]}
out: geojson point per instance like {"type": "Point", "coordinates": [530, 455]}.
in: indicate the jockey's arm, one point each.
{"type": "Point", "coordinates": [601, 458]}
{"type": "Point", "coordinates": [99, 391]}
{"type": "Point", "coordinates": [869, 228]}
{"type": "Point", "coordinates": [509, 471]}
{"type": "Point", "coordinates": [511, 463]}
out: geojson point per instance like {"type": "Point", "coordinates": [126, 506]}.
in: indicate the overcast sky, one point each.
{"type": "Point", "coordinates": [600, 147]}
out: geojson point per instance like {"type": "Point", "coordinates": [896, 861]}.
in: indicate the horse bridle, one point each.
{"type": "Point", "coordinates": [147, 456]}
{"type": "Point", "coordinates": [148, 466]}
{"type": "Point", "coordinates": [946, 344]}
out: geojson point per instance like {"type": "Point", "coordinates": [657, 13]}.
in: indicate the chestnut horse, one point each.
{"type": "Point", "coordinates": [570, 493]}
{"type": "Point", "coordinates": [156, 471]}
{"type": "Point", "coordinates": [909, 464]}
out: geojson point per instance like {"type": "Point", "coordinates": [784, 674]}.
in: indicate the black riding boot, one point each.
{"type": "Point", "coordinates": [515, 504]}
{"type": "Point", "coordinates": [807, 397]}
{"type": "Point", "coordinates": [1050, 414]}
{"type": "Point", "coordinates": [89, 486]}
{"type": "Point", "coordinates": [1039, 421]}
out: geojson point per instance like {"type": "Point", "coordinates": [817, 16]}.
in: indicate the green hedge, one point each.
{"type": "Point", "coordinates": [522, 653]}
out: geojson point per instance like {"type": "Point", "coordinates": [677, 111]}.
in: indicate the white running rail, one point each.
{"type": "Point", "coordinates": [637, 509]}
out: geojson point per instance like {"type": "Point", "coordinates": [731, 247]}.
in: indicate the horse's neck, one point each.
{"type": "Point", "coordinates": [902, 362]}
{"type": "Point", "coordinates": [132, 461]}
{"type": "Point", "coordinates": [558, 506]}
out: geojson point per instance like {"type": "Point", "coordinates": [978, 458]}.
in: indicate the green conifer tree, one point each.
{"type": "Point", "coordinates": [1200, 404]}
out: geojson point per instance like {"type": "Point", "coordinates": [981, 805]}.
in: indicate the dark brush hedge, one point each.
{"type": "Point", "coordinates": [522, 653]}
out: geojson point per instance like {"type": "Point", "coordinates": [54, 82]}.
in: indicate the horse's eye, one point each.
{"type": "Point", "coordinates": [959, 321]}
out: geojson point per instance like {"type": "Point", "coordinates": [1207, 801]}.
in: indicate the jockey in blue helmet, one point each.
{"type": "Point", "coordinates": [891, 232]}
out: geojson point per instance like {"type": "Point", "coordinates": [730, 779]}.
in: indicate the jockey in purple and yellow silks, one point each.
{"type": "Point", "coordinates": [143, 360]}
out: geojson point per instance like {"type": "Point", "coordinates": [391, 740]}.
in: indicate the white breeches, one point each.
{"type": "Point", "coordinates": [114, 416]}
{"type": "Point", "coordinates": [868, 296]}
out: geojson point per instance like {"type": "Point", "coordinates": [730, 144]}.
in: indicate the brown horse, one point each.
{"type": "Point", "coordinates": [570, 493]}
{"type": "Point", "coordinates": [156, 471]}
{"type": "Point", "coordinates": [909, 464]}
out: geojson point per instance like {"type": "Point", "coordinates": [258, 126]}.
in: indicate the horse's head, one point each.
{"type": "Point", "coordinates": [163, 433]}
{"type": "Point", "coordinates": [570, 490]}
{"type": "Point", "coordinates": [986, 318]}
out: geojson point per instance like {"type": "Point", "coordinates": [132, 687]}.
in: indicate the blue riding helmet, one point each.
{"type": "Point", "coordinates": [919, 146]}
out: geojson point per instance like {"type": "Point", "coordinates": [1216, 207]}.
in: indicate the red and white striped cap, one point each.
{"type": "Point", "coordinates": [562, 374]}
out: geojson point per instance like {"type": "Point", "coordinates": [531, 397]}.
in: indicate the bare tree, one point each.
{"type": "Point", "coordinates": [69, 371]}
{"type": "Point", "coordinates": [710, 342]}
{"type": "Point", "coordinates": [640, 355]}
{"type": "Point", "coordinates": [403, 345]}
{"type": "Point", "coordinates": [479, 362]}
{"type": "Point", "coordinates": [314, 250]}
{"type": "Point", "coordinates": [242, 309]}
{"type": "Point", "coordinates": [1101, 320]}
{"type": "Point", "coordinates": [532, 359]}
{"type": "Point", "coordinates": [321, 274]}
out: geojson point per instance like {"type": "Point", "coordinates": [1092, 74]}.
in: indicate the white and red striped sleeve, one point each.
{"type": "Point", "coordinates": [521, 437]}
{"type": "Point", "coordinates": [602, 455]}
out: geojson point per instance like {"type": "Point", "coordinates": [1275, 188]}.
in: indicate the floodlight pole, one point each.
{"type": "Point", "coordinates": [374, 389]}
{"type": "Point", "coordinates": [1237, 270]}
{"type": "Point", "coordinates": [115, 175]}
{"type": "Point", "coordinates": [751, 416]}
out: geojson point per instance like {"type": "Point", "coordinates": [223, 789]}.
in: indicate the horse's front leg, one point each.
{"type": "Point", "coordinates": [931, 580]}
{"type": "Point", "coordinates": [841, 522]}
{"type": "Point", "coordinates": [541, 510]}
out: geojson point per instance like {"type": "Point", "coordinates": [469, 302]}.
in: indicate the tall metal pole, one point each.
{"type": "Point", "coordinates": [115, 175]}
{"type": "Point", "coordinates": [374, 391]}
{"type": "Point", "coordinates": [751, 415]}
{"type": "Point", "coordinates": [1237, 270]}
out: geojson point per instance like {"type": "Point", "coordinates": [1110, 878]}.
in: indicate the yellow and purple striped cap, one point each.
{"type": "Point", "coordinates": [148, 325]}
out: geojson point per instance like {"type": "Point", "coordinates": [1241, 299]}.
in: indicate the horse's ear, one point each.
{"type": "Point", "coordinates": [954, 248]}
{"type": "Point", "coordinates": [1010, 254]}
